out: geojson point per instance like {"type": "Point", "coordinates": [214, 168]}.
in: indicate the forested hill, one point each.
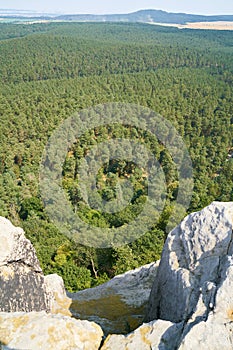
{"type": "Point", "coordinates": [49, 71]}
{"type": "Point", "coordinates": [143, 16]}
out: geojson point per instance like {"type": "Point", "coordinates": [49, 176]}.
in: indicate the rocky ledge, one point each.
{"type": "Point", "coordinates": [119, 305]}
{"type": "Point", "coordinates": [190, 304]}
{"type": "Point", "coordinates": [191, 301]}
{"type": "Point", "coordinates": [34, 309]}
{"type": "Point", "coordinates": [40, 330]}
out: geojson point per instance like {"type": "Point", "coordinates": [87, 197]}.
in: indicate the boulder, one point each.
{"type": "Point", "coordinates": [118, 305]}
{"type": "Point", "coordinates": [215, 330]}
{"type": "Point", "coordinates": [162, 335]}
{"type": "Point", "coordinates": [193, 266]}
{"type": "Point", "coordinates": [39, 330]}
{"type": "Point", "coordinates": [191, 301]}
{"type": "Point", "coordinates": [22, 283]}
{"type": "Point", "coordinates": [59, 302]}
{"type": "Point", "coordinates": [32, 306]}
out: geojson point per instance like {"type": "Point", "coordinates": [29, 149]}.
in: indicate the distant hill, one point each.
{"type": "Point", "coordinates": [144, 16]}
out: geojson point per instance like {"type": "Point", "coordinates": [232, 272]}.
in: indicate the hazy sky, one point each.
{"type": "Point", "coordinates": [121, 6]}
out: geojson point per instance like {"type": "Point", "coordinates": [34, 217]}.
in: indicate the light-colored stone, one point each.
{"type": "Point", "coordinates": [163, 335]}
{"type": "Point", "coordinates": [15, 247]}
{"type": "Point", "coordinates": [59, 303]}
{"type": "Point", "coordinates": [193, 258]}
{"type": "Point", "coordinates": [208, 335]}
{"type": "Point", "coordinates": [216, 331]}
{"type": "Point", "coordinates": [23, 286]}
{"type": "Point", "coordinates": [118, 305]}
{"type": "Point", "coordinates": [192, 294]}
{"type": "Point", "coordinates": [193, 288]}
{"type": "Point", "coordinates": [38, 330]}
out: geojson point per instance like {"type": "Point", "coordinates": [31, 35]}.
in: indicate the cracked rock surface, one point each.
{"type": "Point", "coordinates": [191, 301]}
{"type": "Point", "coordinates": [118, 305]}
{"type": "Point", "coordinates": [34, 308]}
{"type": "Point", "coordinates": [190, 304]}
{"type": "Point", "coordinates": [22, 284]}
{"type": "Point", "coordinates": [194, 265]}
{"type": "Point", "coordinates": [38, 330]}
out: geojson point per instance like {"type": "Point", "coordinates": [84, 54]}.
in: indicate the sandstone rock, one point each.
{"type": "Point", "coordinates": [208, 335]}
{"type": "Point", "coordinates": [192, 294]}
{"type": "Point", "coordinates": [22, 284]}
{"type": "Point", "coordinates": [38, 330]}
{"type": "Point", "coordinates": [59, 302]}
{"type": "Point", "coordinates": [23, 287]}
{"type": "Point", "coordinates": [193, 265]}
{"type": "Point", "coordinates": [15, 247]}
{"type": "Point", "coordinates": [162, 335]}
{"type": "Point", "coordinates": [118, 305]}
{"type": "Point", "coordinates": [216, 331]}
{"type": "Point", "coordinates": [193, 289]}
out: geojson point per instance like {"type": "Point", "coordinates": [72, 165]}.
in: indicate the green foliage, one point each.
{"type": "Point", "coordinates": [49, 71]}
{"type": "Point", "coordinates": [31, 206]}
{"type": "Point", "coordinates": [124, 259]}
{"type": "Point", "coordinates": [75, 277]}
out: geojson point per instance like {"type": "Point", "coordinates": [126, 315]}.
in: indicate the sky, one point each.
{"type": "Point", "coordinates": [121, 6]}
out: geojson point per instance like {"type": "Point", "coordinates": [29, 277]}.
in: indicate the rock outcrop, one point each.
{"type": "Point", "coordinates": [195, 262]}
{"type": "Point", "coordinates": [191, 302]}
{"type": "Point", "coordinates": [32, 306]}
{"type": "Point", "coordinates": [119, 305]}
{"type": "Point", "coordinates": [156, 335]}
{"type": "Point", "coordinates": [22, 283]}
{"type": "Point", "coordinates": [190, 305]}
{"type": "Point", "coordinates": [38, 330]}
{"type": "Point", "coordinates": [212, 328]}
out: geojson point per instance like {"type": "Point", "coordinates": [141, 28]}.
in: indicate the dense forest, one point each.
{"type": "Point", "coordinates": [49, 71]}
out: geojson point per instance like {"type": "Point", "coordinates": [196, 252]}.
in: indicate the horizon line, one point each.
{"type": "Point", "coordinates": [107, 14]}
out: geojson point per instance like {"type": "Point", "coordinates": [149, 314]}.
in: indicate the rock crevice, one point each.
{"type": "Point", "coordinates": [23, 286]}
{"type": "Point", "coordinates": [190, 303]}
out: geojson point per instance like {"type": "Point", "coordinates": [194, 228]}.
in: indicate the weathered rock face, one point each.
{"type": "Point", "coordinates": [23, 287]}
{"type": "Point", "coordinates": [194, 261]}
{"type": "Point", "coordinates": [213, 331]}
{"type": "Point", "coordinates": [22, 284]}
{"type": "Point", "coordinates": [59, 302]}
{"type": "Point", "coordinates": [190, 305]}
{"type": "Point", "coordinates": [38, 330]}
{"type": "Point", "coordinates": [193, 289]}
{"type": "Point", "coordinates": [161, 335]}
{"type": "Point", "coordinates": [118, 305]}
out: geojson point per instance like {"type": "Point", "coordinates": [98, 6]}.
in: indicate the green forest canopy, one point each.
{"type": "Point", "coordinates": [49, 71]}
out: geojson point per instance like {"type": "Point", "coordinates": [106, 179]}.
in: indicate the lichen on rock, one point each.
{"type": "Point", "coordinates": [193, 264]}
{"type": "Point", "coordinates": [23, 286]}
{"type": "Point", "coordinates": [118, 305]}
{"type": "Point", "coordinates": [39, 330]}
{"type": "Point", "coordinates": [190, 304]}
